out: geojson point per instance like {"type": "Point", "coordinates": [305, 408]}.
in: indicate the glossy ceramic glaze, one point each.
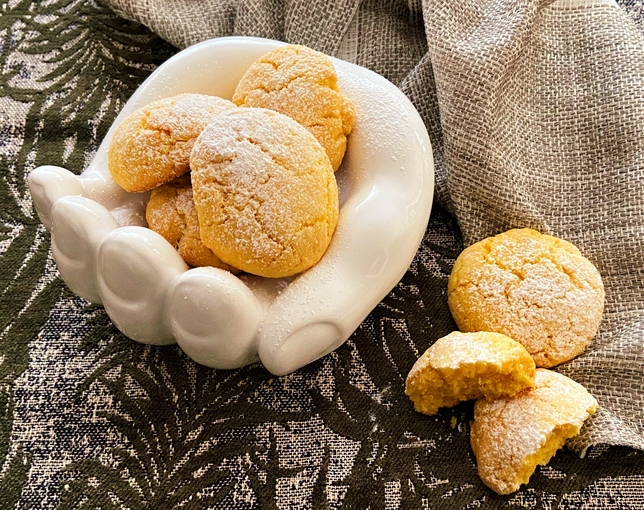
{"type": "Point", "coordinates": [105, 255]}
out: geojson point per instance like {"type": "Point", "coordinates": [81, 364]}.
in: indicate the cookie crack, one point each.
{"type": "Point", "coordinates": [278, 243]}
{"type": "Point", "coordinates": [279, 162]}
{"type": "Point", "coordinates": [279, 87]}
{"type": "Point", "coordinates": [165, 130]}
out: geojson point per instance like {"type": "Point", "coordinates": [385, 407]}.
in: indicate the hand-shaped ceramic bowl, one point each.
{"type": "Point", "coordinates": [106, 255]}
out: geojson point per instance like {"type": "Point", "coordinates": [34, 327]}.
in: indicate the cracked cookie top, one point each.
{"type": "Point", "coordinates": [152, 145]}
{"type": "Point", "coordinates": [535, 288]}
{"type": "Point", "coordinates": [301, 83]}
{"type": "Point", "coordinates": [265, 192]}
{"type": "Point", "coordinates": [511, 436]}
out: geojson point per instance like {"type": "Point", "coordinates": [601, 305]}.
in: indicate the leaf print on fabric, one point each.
{"type": "Point", "coordinates": [59, 92]}
{"type": "Point", "coordinates": [179, 424]}
{"type": "Point", "coordinates": [97, 421]}
{"type": "Point", "coordinates": [264, 471]}
{"type": "Point", "coordinates": [90, 64]}
{"type": "Point", "coordinates": [25, 295]}
{"type": "Point", "coordinates": [400, 450]}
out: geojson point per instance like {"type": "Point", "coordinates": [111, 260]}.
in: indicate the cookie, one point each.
{"type": "Point", "coordinates": [301, 83]}
{"type": "Point", "coordinates": [511, 436]}
{"type": "Point", "coordinates": [152, 145]}
{"type": "Point", "coordinates": [265, 192]}
{"type": "Point", "coordinates": [465, 366]}
{"type": "Point", "coordinates": [535, 288]}
{"type": "Point", "coordinates": [171, 212]}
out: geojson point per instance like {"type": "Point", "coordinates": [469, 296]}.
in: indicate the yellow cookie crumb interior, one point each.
{"type": "Point", "coordinates": [433, 389]}
{"type": "Point", "coordinates": [555, 440]}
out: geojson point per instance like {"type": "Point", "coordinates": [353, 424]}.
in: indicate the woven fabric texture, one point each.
{"type": "Point", "coordinates": [534, 112]}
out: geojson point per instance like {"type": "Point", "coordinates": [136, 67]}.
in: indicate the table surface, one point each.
{"type": "Point", "coordinates": [89, 418]}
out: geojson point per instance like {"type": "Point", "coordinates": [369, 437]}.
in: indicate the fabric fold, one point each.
{"type": "Point", "coordinates": [544, 130]}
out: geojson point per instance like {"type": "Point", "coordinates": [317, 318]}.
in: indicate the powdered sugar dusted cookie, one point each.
{"type": "Point", "coordinates": [152, 145]}
{"type": "Point", "coordinates": [171, 212]}
{"type": "Point", "coordinates": [265, 192]}
{"type": "Point", "coordinates": [535, 288]}
{"type": "Point", "coordinates": [465, 366]}
{"type": "Point", "coordinates": [301, 83]}
{"type": "Point", "coordinates": [511, 436]}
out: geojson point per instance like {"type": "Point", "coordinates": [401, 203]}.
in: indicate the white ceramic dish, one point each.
{"type": "Point", "coordinates": [105, 254]}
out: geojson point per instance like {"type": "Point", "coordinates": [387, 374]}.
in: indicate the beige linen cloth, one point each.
{"type": "Point", "coordinates": [536, 115]}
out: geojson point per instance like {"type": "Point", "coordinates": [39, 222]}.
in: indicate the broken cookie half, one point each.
{"type": "Point", "coordinates": [512, 436]}
{"type": "Point", "coordinates": [466, 366]}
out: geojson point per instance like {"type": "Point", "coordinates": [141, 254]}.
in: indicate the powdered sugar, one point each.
{"type": "Point", "coordinates": [301, 83]}
{"type": "Point", "coordinates": [508, 435]}
{"type": "Point", "coordinates": [265, 192]}
{"type": "Point", "coordinates": [537, 289]}
{"type": "Point", "coordinates": [152, 145]}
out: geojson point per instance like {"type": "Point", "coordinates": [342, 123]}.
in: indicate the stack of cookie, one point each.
{"type": "Point", "coordinates": [521, 300]}
{"type": "Point", "coordinates": [246, 185]}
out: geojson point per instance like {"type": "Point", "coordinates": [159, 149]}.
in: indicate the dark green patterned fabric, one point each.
{"type": "Point", "coordinates": [90, 419]}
